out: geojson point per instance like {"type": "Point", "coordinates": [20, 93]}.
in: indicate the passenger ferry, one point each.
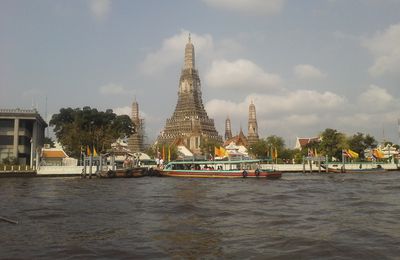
{"type": "Point", "coordinates": [219, 169]}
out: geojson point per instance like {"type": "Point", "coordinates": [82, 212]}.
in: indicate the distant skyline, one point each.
{"type": "Point", "coordinates": [306, 65]}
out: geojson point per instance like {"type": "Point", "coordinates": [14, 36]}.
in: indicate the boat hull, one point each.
{"type": "Point", "coordinates": [124, 173]}
{"type": "Point", "coordinates": [363, 171]}
{"type": "Point", "coordinates": [222, 174]}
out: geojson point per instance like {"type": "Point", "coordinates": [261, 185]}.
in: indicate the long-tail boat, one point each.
{"type": "Point", "coordinates": [219, 169]}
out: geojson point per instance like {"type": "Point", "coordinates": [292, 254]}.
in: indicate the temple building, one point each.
{"type": "Point", "coordinates": [189, 122]}
{"type": "Point", "coordinates": [252, 134]}
{"type": "Point", "coordinates": [228, 129]}
{"type": "Point", "coordinates": [136, 140]}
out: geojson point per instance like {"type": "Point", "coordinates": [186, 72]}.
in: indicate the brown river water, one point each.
{"type": "Point", "coordinates": [301, 216]}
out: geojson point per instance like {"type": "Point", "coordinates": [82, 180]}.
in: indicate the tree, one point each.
{"type": "Point", "coordinates": [370, 141]}
{"type": "Point", "coordinates": [332, 143]}
{"type": "Point", "coordinates": [358, 143]}
{"type": "Point", "coordinates": [10, 161]}
{"type": "Point", "coordinates": [78, 128]}
{"type": "Point", "coordinates": [207, 146]}
{"type": "Point", "coordinates": [275, 143]}
{"type": "Point", "coordinates": [259, 149]}
{"type": "Point", "coordinates": [49, 141]}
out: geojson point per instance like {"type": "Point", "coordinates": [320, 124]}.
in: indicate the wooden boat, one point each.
{"type": "Point", "coordinates": [136, 172]}
{"type": "Point", "coordinates": [377, 169]}
{"type": "Point", "coordinates": [219, 169]}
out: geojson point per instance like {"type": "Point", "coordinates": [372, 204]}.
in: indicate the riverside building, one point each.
{"type": "Point", "coordinates": [21, 135]}
{"type": "Point", "coordinates": [189, 122]}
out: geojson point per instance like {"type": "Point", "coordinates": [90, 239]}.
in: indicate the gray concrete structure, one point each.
{"type": "Point", "coordinates": [21, 135]}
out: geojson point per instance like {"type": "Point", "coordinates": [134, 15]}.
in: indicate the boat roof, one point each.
{"type": "Point", "coordinates": [215, 162]}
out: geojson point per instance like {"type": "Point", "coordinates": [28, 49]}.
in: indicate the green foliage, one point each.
{"type": "Point", "coordinates": [10, 161]}
{"type": "Point", "coordinates": [77, 128]}
{"type": "Point", "coordinates": [332, 143]}
{"type": "Point", "coordinates": [288, 154]}
{"type": "Point", "coordinates": [157, 151]}
{"type": "Point", "coordinates": [265, 147]}
{"type": "Point", "coordinates": [49, 141]}
{"type": "Point", "coordinates": [259, 149]}
{"type": "Point", "coordinates": [207, 146]}
{"type": "Point", "coordinates": [358, 143]}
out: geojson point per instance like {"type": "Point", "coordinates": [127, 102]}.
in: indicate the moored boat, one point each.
{"type": "Point", "coordinates": [219, 169]}
{"type": "Point", "coordinates": [377, 169]}
{"type": "Point", "coordinates": [136, 172]}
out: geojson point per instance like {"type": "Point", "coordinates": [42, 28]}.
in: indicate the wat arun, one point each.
{"type": "Point", "coordinates": [189, 124]}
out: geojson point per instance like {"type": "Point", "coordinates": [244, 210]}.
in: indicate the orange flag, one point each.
{"type": "Point", "coordinates": [216, 151]}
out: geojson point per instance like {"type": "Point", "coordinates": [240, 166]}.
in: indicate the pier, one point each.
{"type": "Point", "coordinates": [17, 171]}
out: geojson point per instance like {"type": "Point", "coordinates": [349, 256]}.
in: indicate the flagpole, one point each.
{"type": "Point", "coordinates": [344, 168]}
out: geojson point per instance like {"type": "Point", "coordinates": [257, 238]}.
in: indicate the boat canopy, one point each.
{"type": "Point", "coordinates": [215, 162]}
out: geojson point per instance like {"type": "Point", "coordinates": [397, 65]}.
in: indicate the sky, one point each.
{"type": "Point", "coordinates": [306, 65]}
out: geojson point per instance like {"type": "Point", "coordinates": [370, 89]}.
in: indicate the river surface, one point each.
{"type": "Point", "coordinates": [301, 216]}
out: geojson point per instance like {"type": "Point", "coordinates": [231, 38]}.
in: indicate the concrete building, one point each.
{"type": "Point", "coordinates": [189, 121]}
{"type": "Point", "coordinates": [21, 135]}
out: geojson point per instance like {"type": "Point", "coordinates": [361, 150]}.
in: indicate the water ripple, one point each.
{"type": "Point", "coordinates": [302, 216]}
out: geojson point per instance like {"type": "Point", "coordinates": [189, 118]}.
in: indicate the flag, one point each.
{"type": "Point", "coordinates": [94, 152]}
{"type": "Point", "coordinates": [88, 153]}
{"type": "Point", "coordinates": [274, 153]}
{"type": "Point", "coordinates": [352, 153]}
{"type": "Point", "coordinates": [223, 152]}
{"type": "Point", "coordinates": [349, 153]}
{"type": "Point", "coordinates": [169, 153]}
{"type": "Point", "coordinates": [378, 154]}
{"type": "Point", "coordinates": [216, 151]}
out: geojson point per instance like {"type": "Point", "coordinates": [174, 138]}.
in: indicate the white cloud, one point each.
{"type": "Point", "coordinates": [375, 98]}
{"type": "Point", "coordinates": [290, 103]}
{"type": "Point", "coordinates": [289, 114]}
{"type": "Point", "coordinates": [100, 8]}
{"type": "Point", "coordinates": [240, 74]}
{"type": "Point", "coordinates": [306, 71]}
{"type": "Point", "coordinates": [172, 51]}
{"type": "Point", "coordinates": [248, 7]}
{"type": "Point", "coordinates": [113, 89]}
{"type": "Point", "coordinates": [385, 47]}
{"type": "Point", "coordinates": [126, 110]}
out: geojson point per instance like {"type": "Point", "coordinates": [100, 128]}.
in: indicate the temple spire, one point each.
{"type": "Point", "coordinates": [189, 54]}
{"type": "Point", "coordinates": [252, 124]}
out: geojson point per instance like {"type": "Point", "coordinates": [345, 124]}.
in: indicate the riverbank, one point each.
{"type": "Point", "coordinates": [76, 171]}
